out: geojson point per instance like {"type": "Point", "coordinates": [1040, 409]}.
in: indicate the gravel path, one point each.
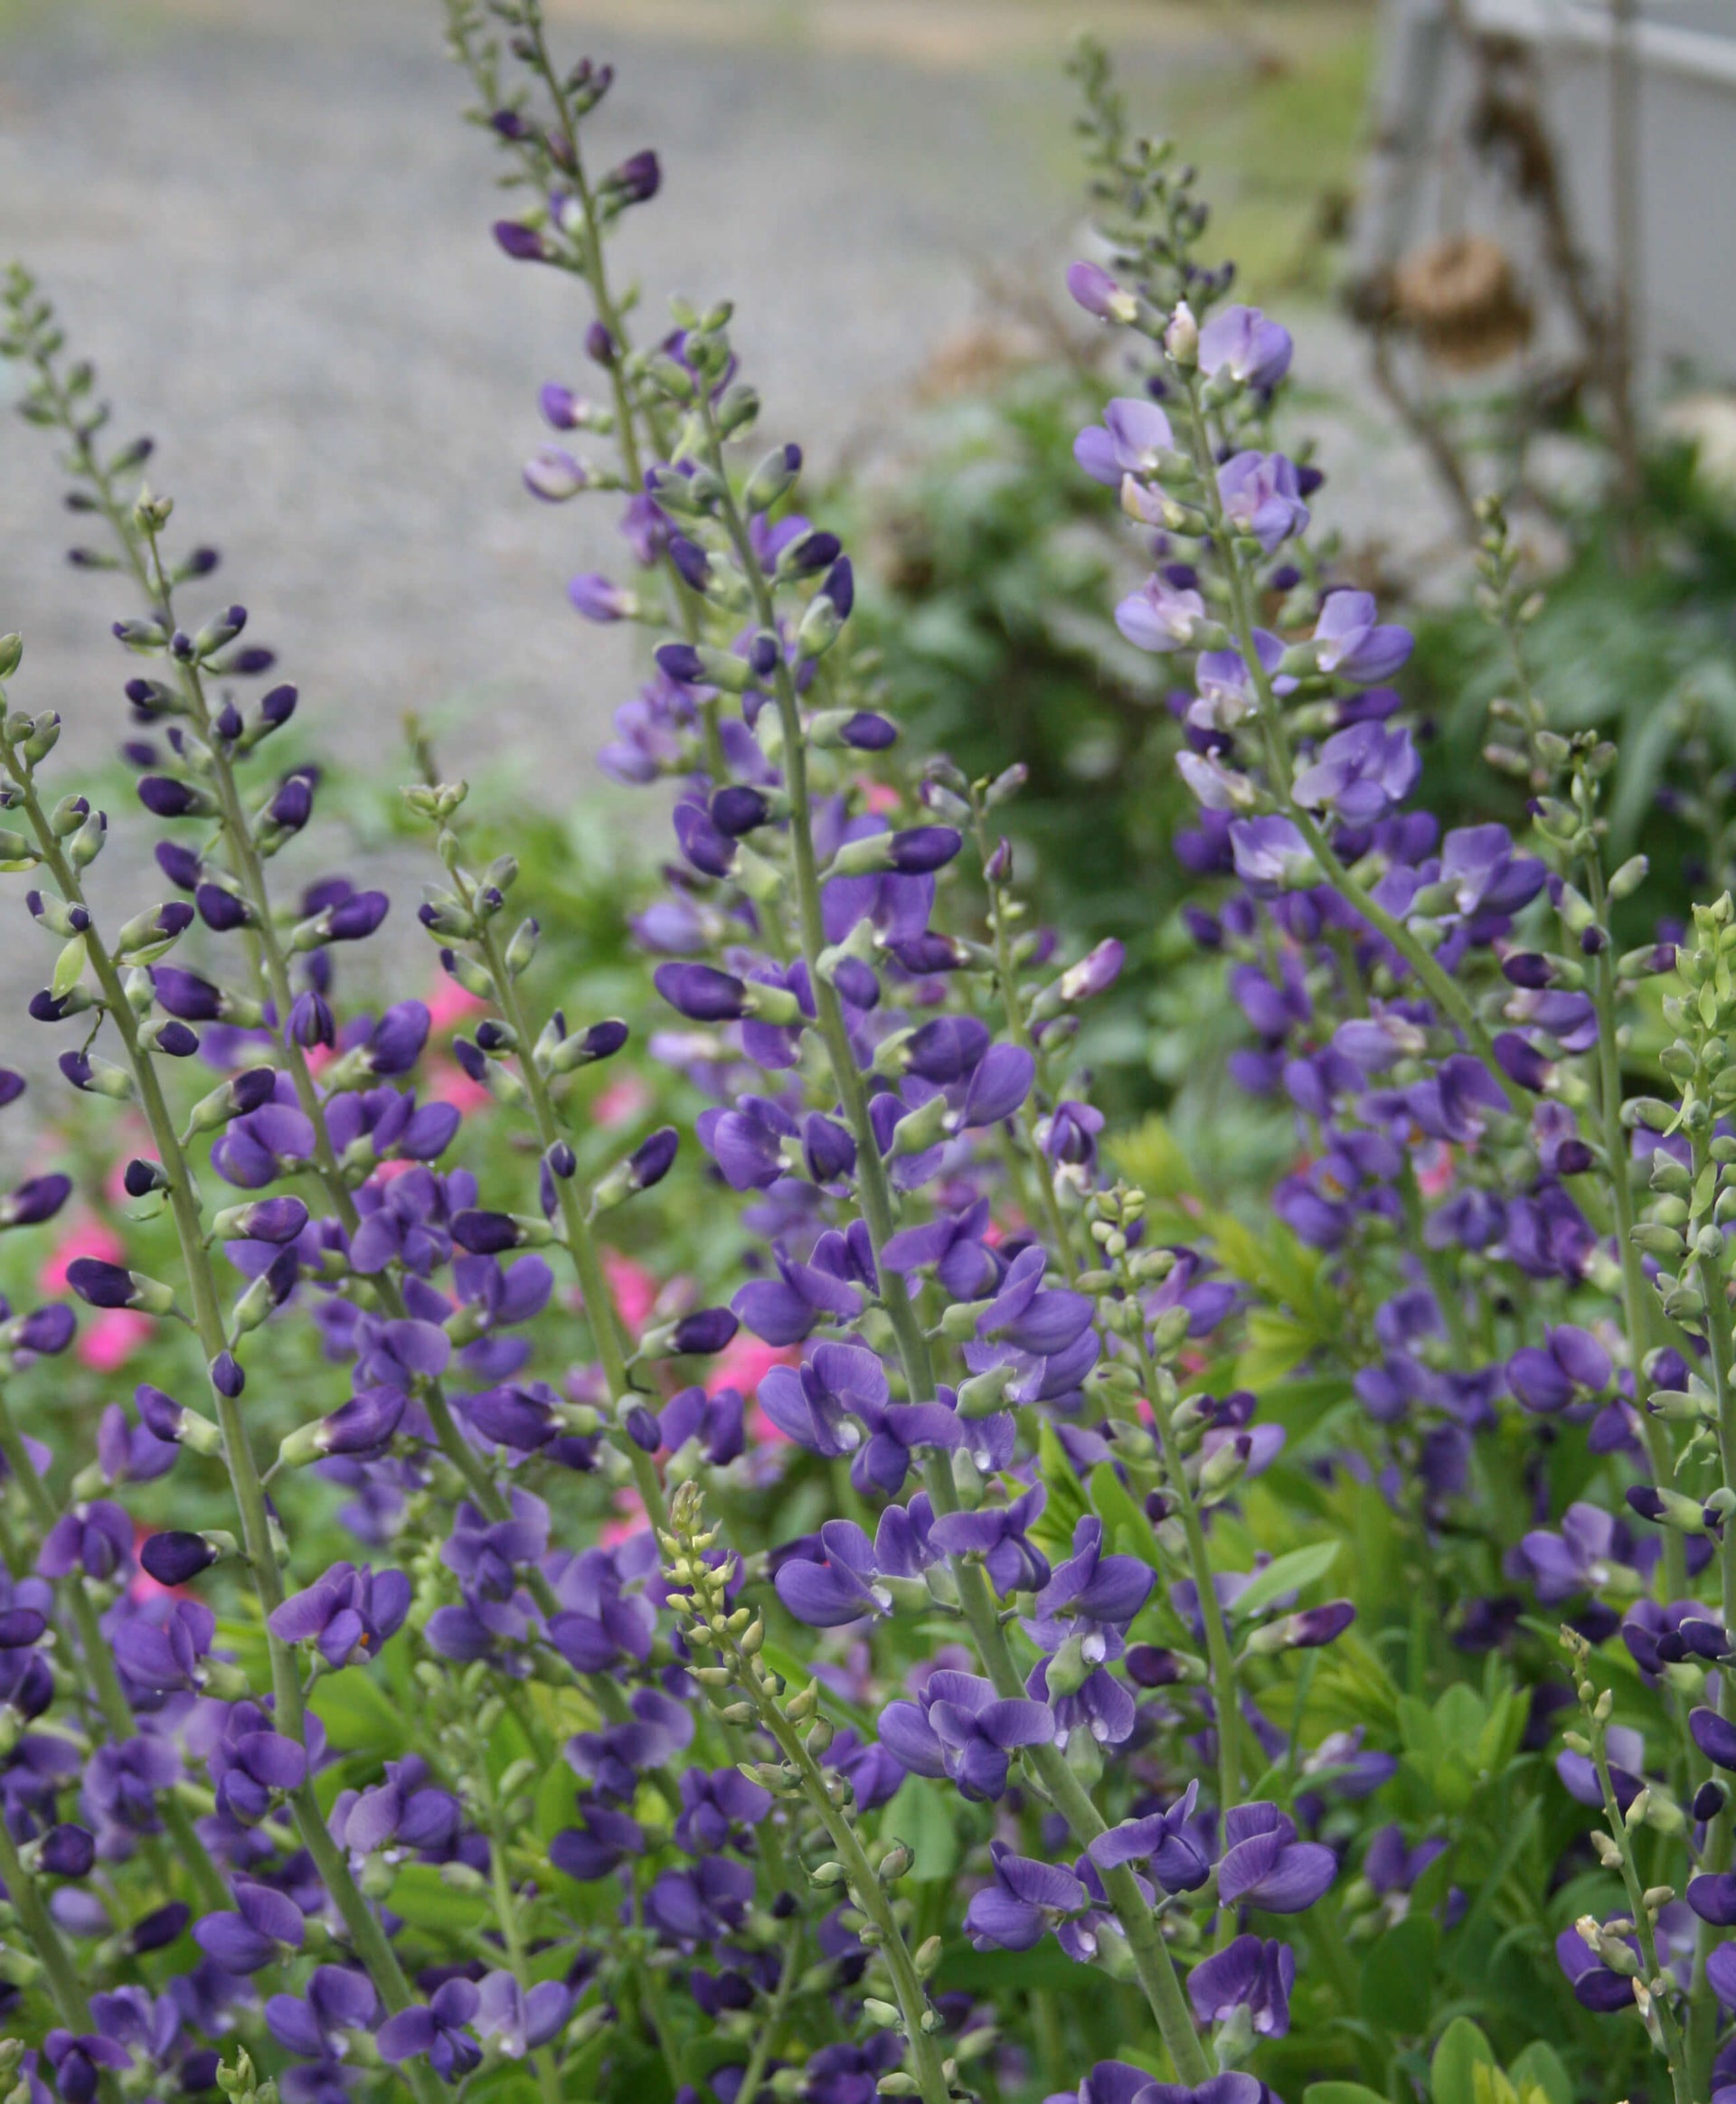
{"type": "Point", "coordinates": [265, 221]}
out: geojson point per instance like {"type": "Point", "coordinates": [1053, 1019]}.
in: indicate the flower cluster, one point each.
{"type": "Point", "coordinates": [799, 1677]}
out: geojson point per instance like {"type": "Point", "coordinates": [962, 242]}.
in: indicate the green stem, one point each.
{"type": "Point", "coordinates": [1680, 2085]}
{"type": "Point", "coordinates": [1636, 1299]}
{"type": "Point", "coordinates": [57, 1962]}
{"type": "Point", "coordinates": [1150, 1954]}
{"type": "Point", "coordinates": [582, 1244]}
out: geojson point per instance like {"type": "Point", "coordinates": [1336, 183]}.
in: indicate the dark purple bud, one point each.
{"type": "Point", "coordinates": [840, 587]}
{"type": "Point", "coordinates": [277, 704]}
{"type": "Point", "coordinates": [358, 916]}
{"type": "Point", "coordinates": [763, 655]}
{"type": "Point", "coordinates": [47, 1006]}
{"type": "Point", "coordinates": [226, 1375]}
{"type": "Point", "coordinates": [1528, 969]}
{"type": "Point", "coordinates": [638, 179]}
{"type": "Point", "coordinates": [600, 347]}
{"type": "Point", "coordinates": [68, 1852]}
{"type": "Point", "coordinates": [924, 848]}
{"type": "Point", "coordinates": [161, 1415]}
{"type": "Point", "coordinates": [37, 1199]}
{"type": "Point", "coordinates": [947, 1048]}
{"type": "Point", "coordinates": [690, 562]}
{"type": "Point", "coordinates": [185, 994]}
{"type": "Point", "coordinates": [311, 1021]}
{"type": "Point", "coordinates": [364, 1422]}
{"type": "Point", "coordinates": [142, 1178]}
{"type": "Point", "coordinates": [219, 909]}
{"type": "Point", "coordinates": [603, 1040]}
{"type": "Point", "coordinates": [1715, 1737]}
{"type": "Point", "coordinates": [486, 1235]}
{"type": "Point", "coordinates": [11, 1087]}
{"type": "Point", "coordinates": [652, 1160]}
{"type": "Point", "coordinates": [739, 809]}
{"type": "Point", "coordinates": [560, 1161]}
{"type": "Point", "coordinates": [177, 1040]}
{"type": "Point", "coordinates": [681, 662]}
{"type": "Point", "coordinates": [706, 1330]}
{"type": "Point", "coordinates": [228, 722]}
{"type": "Point", "coordinates": [867, 733]}
{"type": "Point", "coordinates": [1709, 1801]}
{"type": "Point", "coordinates": [164, 797]}
{"type": "Point", "coordinates": [856, 983]}
{"type": "Point", "coordinates": [46, 1330]}
{"type": "Point", "coordinates": [20, 1627]}
{"type": "Point", "coordinates": [827, 1148]}
{"type": "Point", "coordinates": [811, 552]}
{"type": "Point", "coordinates": [171, 1559]}
{"type": "Point", "coordinates": [293, 805]}
{"type": "Point", "coordinates": [1317, 1625]}
{"type": "Point", "coordinates": [100, 1285]}
{"type": "Point", "coordinates": [1521, 1061]}
{"type": "Point", "coordinates": [180, 865]}
{"type": "Point", "coordinates": [157, 1931]}
{"type": "Point", "coordinates": [267, 1219]}
{"type": "Point", "coordinates": [524, 244]}
{"type": "Point", "coordinates": [700, 991]}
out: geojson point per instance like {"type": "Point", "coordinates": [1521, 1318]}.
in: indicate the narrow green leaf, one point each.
{"type": "Point", "coordinates": [1301, 1568]}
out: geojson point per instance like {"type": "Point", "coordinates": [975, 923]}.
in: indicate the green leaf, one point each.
{"type": "Point", "coordinates": [1291, 1573]}
{"type": "Point", "coordinates": [921, 1816]}
{"type": "Point", "coordinates": [426, 1901]}
{"type": "Point", "coordinates": [69, 967]}
{"type": "Point", "coordinates": [1462, 2048]}
{"type": "Point", "coordinates": [1125, 1526]}
{"type": "Point", "coordinates": [1342, 2093]}
{"type": "Point", "coordinates": [359, 1717]}
{"type": "Point", "coordinates": [557, 1802]}
{"type": "Point", "coordinates": [1539, 2067]}
{"type": "Point", "coordinates": [1397, 1989]}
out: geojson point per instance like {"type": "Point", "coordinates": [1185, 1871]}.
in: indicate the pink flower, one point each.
{"type": "Point", "coordinates": [880, 798]}
{"type": "Point", "coordinates": [85, 1236]}
{"type": "Point", "coordinates": [448, 1004]}
{"type": "Point", "coordinates": [632, 1287]}
{"type": "Point", "coordinates": [109, 1339]}
{"type": "Point", "coordinates": [629, 1519]}
{"type": "Point", "coordinates": [1434, 1167]}
{"type": "Point", "coordinates": [449, 1083]}
{"type": "Point", "coordinates": [622, 1102]}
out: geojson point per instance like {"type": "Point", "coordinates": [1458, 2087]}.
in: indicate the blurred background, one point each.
{"type": "Point", "coordinates": [1485, 221]}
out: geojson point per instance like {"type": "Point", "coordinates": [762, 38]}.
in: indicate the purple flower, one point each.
{"type": "Point", "coordinates": [1548, 1380]}
{"type": "Point", "coordinates": [1115, 2082]}
{"type": "Point", "coordinates": [337, 2000]}
{"type": "Point", "coordinates": [1261, 498]}
{"type": "Point", "coordinates": [1359, 774]}
{"type": "Point", "coordinates": [1091, 1598]}
{"type": "Point", "coordinates": [1241, 342]}
{"type": "Point", "coordinates": [520, 2019]}
{"type": "Point", "coordinates": [1246, 1974]}
{"type": "Point", "coordinates": [999, 1534]}
{"type": "Point", "coordinates": [1132, 438]}
{"type": "Point", "coordinates": [348, 1613]}
{"type": "Point", "coordinates": [1177, 1857]}
{"type": "Point", "coordinates": [1272, 856]}
{"type": "Point", "coordinates": [959, 1727]}
{"type": "Point", "coordinates": [1162, 616]}
{"type": "Point", "coordinates": [1351, 645]}
{"type": "Point", "coordinates": [266, 1926]}
{"type": "Point", "coordinates": [1265, 1865]}
{"type": "Point", "coordinates": [1025, 1901]}
{"type": "Point", "coordinates": [1486, 876]}
{"type": "Point", "coordinates": [435, 2031]}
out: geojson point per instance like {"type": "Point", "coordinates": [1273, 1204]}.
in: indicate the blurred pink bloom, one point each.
{"type": "Point", "coordinates": [448, 1004]}
{"type": "Point", "coordinates": [449, 1083]}
{"type": "Point", "coordinates": [622, 1102]}
{"type": "Point", "coordinates": [109, 1339]}
{"type": "Point", "coordinates": [634, 1289]}
{"type": "Point", "coordinates": [84, 1236]}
